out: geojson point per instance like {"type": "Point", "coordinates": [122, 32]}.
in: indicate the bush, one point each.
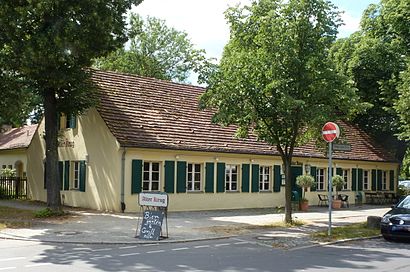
{"type": "Point", "coordinates": [47, 212]}
{"type": "Point", "coordinates": [304, 182]}
{"type": "Point", "coordinates": [338, 182]}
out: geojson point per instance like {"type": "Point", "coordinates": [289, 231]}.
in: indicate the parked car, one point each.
{"type": "Point", "coordinates": [395, 224]}
{"type": "Point", "coordinates": [404, 183]}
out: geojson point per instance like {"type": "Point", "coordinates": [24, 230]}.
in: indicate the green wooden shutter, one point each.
{"type": "Point", "coordinates": [255, 178]}
{"type": "Point", "coordinates": [181, 177]}
{"type": "Point", "coordinates": [391, 180]}
{"type": "Point", "coordinates": [339, 171]}
{"type": "Point", "coordinates": [245, 178]}
{"type": "Point", "coordinates": [72, 121]}
{"type": "Point", "coordinates": [220, 177]}
{"type": "Point", "coordinates": [379, 180]}
{"type": "Point", "coordinates": [209, 177]}
{"type": "Point", "coordinates": [136, 176]}
{"type": "Point", "coordinates": [277, 180]}
{"type": "Point", "coordinates": [360, 181]}
{"type": "Point", "coordinates": [313, 174]}
{"type": "Point", "coordinates": [82, 176]}
{"type": "Point", "coordinates": [60, 174]}
{"type": "Point", "coordinates": [169, 176]}
{"type": "Point", "coordinates": [374, 178]}
{"type": "Point", "coordinates": [354, 179]}
{"type": "Point", "coordinates": [67, 175]}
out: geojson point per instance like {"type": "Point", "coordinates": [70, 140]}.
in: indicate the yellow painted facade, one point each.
{"type": "Point", "coordinates": [14, 159]}
{"type": "Point", "coordinates": [106, 186]}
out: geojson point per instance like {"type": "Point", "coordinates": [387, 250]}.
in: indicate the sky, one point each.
{"type": "Point", "coordinates": [205, 23]}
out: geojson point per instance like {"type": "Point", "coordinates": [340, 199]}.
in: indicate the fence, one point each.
{"type": "Point", "coordinates": [13, 187]}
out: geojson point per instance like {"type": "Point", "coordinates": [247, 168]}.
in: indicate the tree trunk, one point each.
{"type": "Point", "coordinates": [52, 180]}
{"type": "Point", "coordinates": [287, 161]}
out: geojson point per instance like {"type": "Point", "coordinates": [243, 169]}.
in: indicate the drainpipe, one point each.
{"type": "Point", "coordinates": [124, 151]}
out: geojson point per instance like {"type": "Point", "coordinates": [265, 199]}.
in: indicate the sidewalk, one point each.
{"type": "Point", "coordinates": [120, 228]}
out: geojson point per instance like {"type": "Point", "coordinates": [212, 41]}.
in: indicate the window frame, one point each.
{"type": "Point", "coordinates": [193, 180]}
{"type": "Point", "coordinates": [366, 180]}
{"type": "Point", "coordinates": [262, 174]}
{"type": "Point", "coordinates": [228, 177]}
{"type": "Point", "coordinates": [345, 176]}
{"type": "Point", "coordinates": [384, 180]}
{"type": "Point", "coordinates": [75, 179]}
{"type": "Point", "coordinates": [150, 180]}
{"type": "Point", "coordinates": [321, 179]}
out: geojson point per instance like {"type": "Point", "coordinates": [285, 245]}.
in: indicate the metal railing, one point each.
{"type": "Point", "coordinates": [13, 188]}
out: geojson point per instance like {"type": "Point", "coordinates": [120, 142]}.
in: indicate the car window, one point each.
{"type": "Point", "coordinates": [405, 203]}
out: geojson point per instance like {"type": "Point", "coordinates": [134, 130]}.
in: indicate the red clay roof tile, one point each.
{"type": "Point", "coordinates": [150, 113]}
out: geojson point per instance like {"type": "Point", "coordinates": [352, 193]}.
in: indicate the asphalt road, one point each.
{"type": "Point", "coordinates": [216, 255]}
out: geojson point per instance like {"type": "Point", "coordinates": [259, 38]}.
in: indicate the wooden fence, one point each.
{"type": "Point", "coordinates": [13, 187]}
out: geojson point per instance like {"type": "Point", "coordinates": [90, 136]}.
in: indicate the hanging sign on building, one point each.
{"type": "Point", "coordinates": [153, 199]}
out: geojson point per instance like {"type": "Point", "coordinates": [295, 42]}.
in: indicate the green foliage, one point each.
{"type": "Point", "coordinates": [47, 213]}
{"type": "Point", "coordinates": [351, 231]}
{"type": "Point", "coordinates": [375, 60]}
{"type": "Point", "coordinates": [156, 50]}
{"type": "Point", "coordinates": [305, 181]}
{"type": "Point", "coordinates": [7, 172]}
{"type": "Point", "coordinates": [276, 78]}
{"type": "Point", "coordinates": [403, 190]}
{"type": "Point", "coordinates": [50, 45]}
{"type": "Point", "coordinates": [338, 182]}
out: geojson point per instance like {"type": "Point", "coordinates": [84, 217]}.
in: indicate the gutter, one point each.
{"type": "Point", "coordinates": [124, 151]}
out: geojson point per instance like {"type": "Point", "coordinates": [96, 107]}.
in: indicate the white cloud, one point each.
{"type": "Point", "coordinates": [203, 20]}
{"type": "Point", "coordinates": [351, 24]}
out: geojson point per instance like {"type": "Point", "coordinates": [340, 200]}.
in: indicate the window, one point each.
{"type": "Point", "coordinates": [76, 175]}
{"type": "Point", "coordinates": [345, 175]}
{"type": "Point", "coordinates": [384, 180]}
{"type": "Point", "coordinates": [231, 177]}
{"type": "Point", "coordinates": [320, 178]}
{"type": "Point", "coordinates": [151, 176]}
{"type": "Point", "coordinates": [366, 180]}
{"type": "Point", "coordinates": [67, 121]}
{"type": "Point", "coordinates": [194, 177]}
{"type": "Point", "coordinates": [264, 178]}
{"type": "Point", "coordinates": [4, 166]}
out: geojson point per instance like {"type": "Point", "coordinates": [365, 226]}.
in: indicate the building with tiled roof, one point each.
{"type": "Point", "coordinates": [14, 143]}
{"type": "Point", "coordinates": [148, 135]}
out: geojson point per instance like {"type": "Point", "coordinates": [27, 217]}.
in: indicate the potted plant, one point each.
{"type": "Point", "coordinates": [304, 182]}
{"type": "Point", "coordinates": [338, 182]}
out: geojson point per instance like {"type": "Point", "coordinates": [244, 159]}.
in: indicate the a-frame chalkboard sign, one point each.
{"type": "Point", "coordinates": [153, 211]}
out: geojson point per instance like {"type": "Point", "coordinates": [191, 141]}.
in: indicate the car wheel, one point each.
{"type": "Point", "coordinates": [387, 238]}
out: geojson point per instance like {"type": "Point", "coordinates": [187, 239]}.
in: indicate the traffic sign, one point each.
{"type": "Point", "coordinates": [330, 132]}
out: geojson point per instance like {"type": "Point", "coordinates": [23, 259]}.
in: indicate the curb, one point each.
{"type": "Point", "coordinates": [115, 243]}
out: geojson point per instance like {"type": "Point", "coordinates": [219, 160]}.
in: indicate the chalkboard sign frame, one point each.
{"type": "Point", "coordinates": [163, 209]}
{"type": "Point", "coordinates": [151, 226]}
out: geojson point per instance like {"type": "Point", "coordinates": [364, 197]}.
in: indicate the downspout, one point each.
{"type": "Point", "coordinates": [124, 151]}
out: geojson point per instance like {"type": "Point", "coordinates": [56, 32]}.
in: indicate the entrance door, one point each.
{"type": "Point", "coordinates": [295, 172]}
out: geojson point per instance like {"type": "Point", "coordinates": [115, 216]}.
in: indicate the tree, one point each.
{"type": "Point", "coordinates": [374, 59]}
{"type": "Point", "coordinates": [50, 44]}
{"type": "Point", "coordinates": [156, 50]}
{"type": "Point", "coordinates": [275, 77]}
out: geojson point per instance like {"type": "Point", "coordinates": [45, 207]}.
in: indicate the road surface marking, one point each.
{"type": "Point", "coordinates": [8, 268]}
{"type": "Point", "coordinates": [241, 243]}
{"type": "Point", "coordinates": [130, 254]}
{"type": "Point", "coordinates": [202, 246]}
{"type": "Point", "coordinates": [219, 245]}
{"type": "Point", "coordinates": [101, 257]}
{"type": "Point", "coordinates": [40, 264]}
{"type": "Point", "coordinates": [102, 249]}
{"type": "Point", "coordinates": [181, 248]}
{"type": "Point", "coordinates": [12, 259]}
{"type": "Point", "coordinates": [155, 251]}
{"type": "Point", "coordinates": [127, 247]}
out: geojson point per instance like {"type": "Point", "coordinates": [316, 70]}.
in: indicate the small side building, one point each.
{"type": "Point", "coordinates": [148, 135]}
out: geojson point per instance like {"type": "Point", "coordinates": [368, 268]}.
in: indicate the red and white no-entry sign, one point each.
{"type": "Point", "coordinates": [330, 132]}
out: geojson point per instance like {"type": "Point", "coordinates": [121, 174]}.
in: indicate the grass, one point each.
{"type": "Point", "coordinates": [357, 230]}
{"type": "Point", "coordinates": [15, 218]}
{"type": "Point", "coordinates": [20, 218]}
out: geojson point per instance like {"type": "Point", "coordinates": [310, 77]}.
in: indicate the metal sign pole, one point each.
{"type": "Point", "coordinates": [330, 186]}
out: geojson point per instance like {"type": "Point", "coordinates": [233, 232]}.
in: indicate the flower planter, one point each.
{"type": "Point", "coordinates": [336, 204]}
{"type": "Point", "coordinates": [304, 205]}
